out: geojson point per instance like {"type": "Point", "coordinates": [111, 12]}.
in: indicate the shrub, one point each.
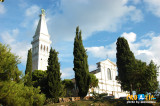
{"type": "Point", "coordinates": [13, 94]}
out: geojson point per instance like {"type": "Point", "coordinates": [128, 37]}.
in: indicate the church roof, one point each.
{"type": "Point", "coordinates": [42, 26]}
{"type": "Point", "coordinates": [108, 61]}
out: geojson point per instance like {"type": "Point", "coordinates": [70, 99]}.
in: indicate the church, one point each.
{"type": "Point", "coordinates": [106, 71]}
{"type": "Point", "coordinates": [41, 45]}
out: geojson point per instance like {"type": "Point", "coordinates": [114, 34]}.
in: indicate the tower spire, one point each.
{"type": "Point", "coordinates": [42, 26]}
{"type": "Point", "coordinates": [41, 44]}
{"type": "Point", "coordinates": [43, 11]}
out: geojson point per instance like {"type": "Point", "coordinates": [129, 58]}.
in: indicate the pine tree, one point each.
{"type": "Point", "coordinates": [125, 65]}
{"type": "Point", "coordinates": [8, 64]}
{"type": "Point", "coordinates": [53, 76]}
{"type": "Point", "coordinates": [151, 77]}
{"type": "Point", "coordinates": [28, 71]}
{"type": "Point", "coordinates": [81, 65]}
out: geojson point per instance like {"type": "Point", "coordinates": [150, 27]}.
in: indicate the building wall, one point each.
{"type": "Point", "coordinates": [107, 85]}
{"type": "Point", "coordinates": [40, 46]}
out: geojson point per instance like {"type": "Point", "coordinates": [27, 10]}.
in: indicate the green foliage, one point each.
{"type": "Point", "coordinates": [12, 89]}
{"type": "Point", "coordinates": [8, 65]}
{"type": "Point", "coordinates": [151, 77]}
{"type": "Point", "coordinates": [55, 88]}
{"type": "Point", "coordinates": [16, 94]}
{"type": "Point", "coordinates": [93, 81]}
{"type": "Point", "coordinates": [98, 96]}
{"type": "Point", "coordinates": [28, 70]}
{"type": "Point", "coordinates": [146, 76]}
{"type": "Point", "coordinates": [68, 85]}
{"type": "Point", "coordinates": [134, 74]}
{"type": "Point", "coordinates": [39, 78]}
{"type": "Point", "coordinates": [80, 65]}
{"type": "Point", "coordinates": [125, 65]}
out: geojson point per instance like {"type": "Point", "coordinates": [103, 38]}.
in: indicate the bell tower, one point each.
{"type": "Point", "coordinates": [41, 45]}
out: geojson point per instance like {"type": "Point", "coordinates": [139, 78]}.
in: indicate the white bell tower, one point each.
{"type": "Point", "coordinates": [41, 45]}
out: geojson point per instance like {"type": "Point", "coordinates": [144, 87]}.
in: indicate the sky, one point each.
{"type": "Point", "coordinates": [101, 22]}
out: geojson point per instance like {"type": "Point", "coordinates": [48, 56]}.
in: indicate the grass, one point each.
{"type": "Point", "coordinates": [100, 103]}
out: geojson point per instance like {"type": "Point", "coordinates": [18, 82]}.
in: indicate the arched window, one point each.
{"type": "Point", "coordinates": [109, 74]}
{"type": "Point", "coordinates": [41, 47]}
{"type": "Point", "coordinates": [44, 48]}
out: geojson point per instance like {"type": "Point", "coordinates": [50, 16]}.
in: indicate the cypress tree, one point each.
{"type": "Point", "coordinates": [53, 76]}
{"type": "Point", "coordinates": [125, 65]}
{"type": "Point", "coordinates": [80, 65]}
{"type": "Point", "coordinates": [28, 71]}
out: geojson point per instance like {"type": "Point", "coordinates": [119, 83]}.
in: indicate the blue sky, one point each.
{"type": "Point", "coordinates": [101, 22]}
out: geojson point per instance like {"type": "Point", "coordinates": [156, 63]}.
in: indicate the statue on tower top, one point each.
{"type": "Point", "coordinates": [43, 11]}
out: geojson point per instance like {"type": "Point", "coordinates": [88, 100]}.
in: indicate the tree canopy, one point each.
{"type": "Point", "coordinates": [39, 78]}
{"type": "Point", "coordinates": [93, 81]}
{"type": "Point", "coordinates": [12, 89]}
{"type": "Point", "coordinates": [133, 74]}
{"type": "Point", "coordinates": [8, 64]}
{"type": "Point", "coordinates": [125, 64]}
{"type": "Point", "coordinates": [55, 87]}
{"type": "Point", "coordinates": [80, 65]}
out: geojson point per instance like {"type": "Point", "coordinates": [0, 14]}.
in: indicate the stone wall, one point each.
{"type": "Point", "coordinates": [69, 99]}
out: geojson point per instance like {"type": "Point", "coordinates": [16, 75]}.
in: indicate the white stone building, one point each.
{"type": "Point", "coordinates": [106, 73]}
{"type": "Point", "coordinates": [40, 45]}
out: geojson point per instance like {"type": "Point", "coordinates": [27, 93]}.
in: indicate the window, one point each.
{"type": "Point", "coordinates": [47, 48]}
{"type": "Point", "coordinates": [41, 46]}
{"type": "Point", "coordinates": [109, 74]}
{"type": "Point", "coordinates": [44, 48]}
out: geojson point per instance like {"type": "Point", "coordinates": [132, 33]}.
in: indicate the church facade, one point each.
{"type": "Point", "coordinates": [41, 45]}
{"type": "Point", "coordinates": [106, 73]}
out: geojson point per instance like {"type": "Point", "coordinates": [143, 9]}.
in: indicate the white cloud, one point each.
{"type": "Point", "coordinates": [31, 16]}
{"type": "Point", "coordinates": [67, 73]}
{"type": "Point", "coordinates": [153, 6]}
{"type": "Point", "coordinates": [146, 49]}
{"type": "Point", "coordinates": [103, 51]}
{"type": "Point", "coordinates": [137, 17]}
{"type": "Point", "coordinates": [91, 16]}
{"type": "Point", "coordinates": [131, 37]}
{"type": "Point", "coordinates": [20, 48]}
{"type": "Point", "coordinates": [2, 9]}
{"type": "Point", "coordinates": [136, 1]}
{"type": "Point", "coordinates": [31, 11]}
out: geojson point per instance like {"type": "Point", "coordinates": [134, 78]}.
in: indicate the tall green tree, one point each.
{"type": "Point", "coordinates": [151, 77]}
{"type": "Point", "coordinates": [145, 77]}
{"type": "Point", "coordinates": [28, 71]}
{"type": "Point", "coordinates": [140, 77]}
{"type": "Point", "coordinates": [53, 76]}
{"type": "Point", "coordinates": [39, 78]}
{"type": "Point", "coordinates": [81, 65]}
{"type": "Point", "coordinates": [8, 64]}
{"type": "Point", "coordinates": [125, 65]}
